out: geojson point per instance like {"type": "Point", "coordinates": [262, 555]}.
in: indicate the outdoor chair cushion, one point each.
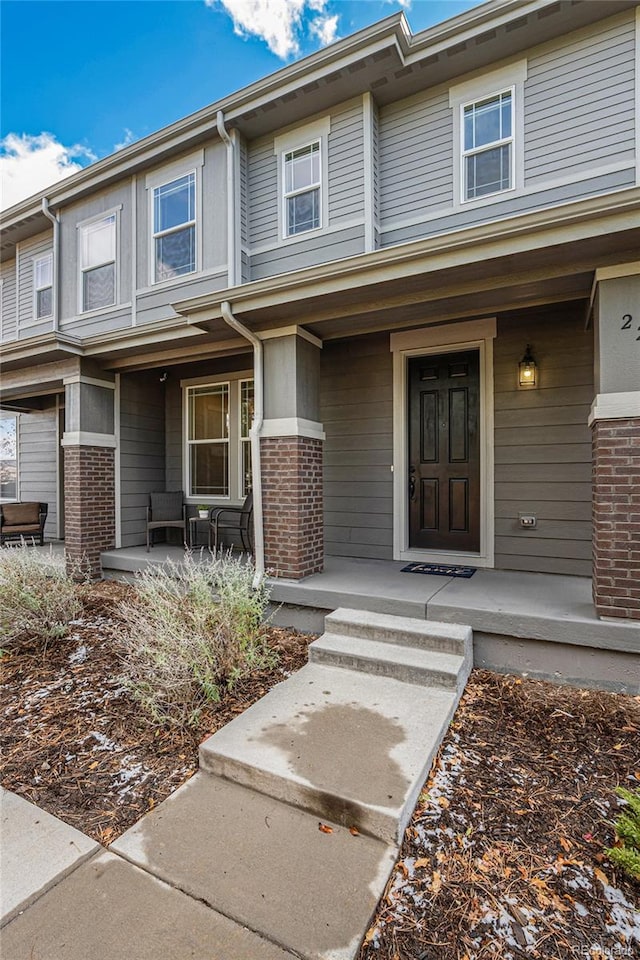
{"type": "Point", "coordinates": [21, 515]}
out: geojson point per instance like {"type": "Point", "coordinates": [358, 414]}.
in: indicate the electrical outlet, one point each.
{"type": "Point", "coordinates": [528, 520]}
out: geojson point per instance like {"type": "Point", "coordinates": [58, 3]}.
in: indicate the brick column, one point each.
{"type": "Point", "coordinates": [292, 505]}
{"type": "Point", "coordinates": [616, 517]}
{"type": "Point", "coordinates": [89, 503]}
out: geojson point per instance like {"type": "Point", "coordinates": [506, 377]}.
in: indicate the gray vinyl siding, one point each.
{"type": "Point", "coordinates": [579, 103]}
{"type": "Point", "coordinates": [29, 251]}
{"type": "Point", "coordinates": [375, 156]}
{"type": "Point", "coordinates": [142, 450]}
{"type": "Point", "coordinates": [8, 313]}
{"type": "Point", "coordinates": [244, 212]}
{"type": "Point", "coordinates": [155, 302]}
{"type": "Point", "coordinates": [173, 437]}
{"type": "Point", "coordinates": [579, 116]}
{"type": "Point", "coordinates": [346, 167]}
{"type": "Point", "coordinates": [343, 236]}
{"type": "Point", "coordinates": [543, 445]}
{"type": "Point", "coordinates": [416, 157]}
{"type": "Point", "coordinates": [71, 320]}
{"type": "Point", "coordinates": [319, 247]}
{"type": "Point", "coordinates": [37, 466]}
{"type": "Point", "coordinates": [356, 397]}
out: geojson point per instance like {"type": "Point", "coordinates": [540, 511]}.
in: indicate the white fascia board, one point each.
{"type": "Point", "coordinates": [615, 406]}
{"type": "Point", "coordinates": [84, 438]}
{"type": "Point", "coordinates": [291, 427]}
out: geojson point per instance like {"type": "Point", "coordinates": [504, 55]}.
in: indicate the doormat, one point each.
{"type": "Point", "coordinates": [440, 570]}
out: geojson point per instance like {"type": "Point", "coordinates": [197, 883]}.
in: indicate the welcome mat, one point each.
{"type": "Point", "coordinates": [440, 570]}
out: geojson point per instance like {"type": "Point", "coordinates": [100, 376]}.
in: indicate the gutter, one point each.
{"type": "Point", "coordinates": [229, 142]}
{"type": "Point", "coordinates": [55, 220]}
{"type": "Point", "coordinates": [254, 433]}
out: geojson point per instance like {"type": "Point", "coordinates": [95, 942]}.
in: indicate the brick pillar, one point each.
{"type": "Point", "coordinates": [616, 517]}
{"type": "Point", "coordinates": [292, 505]}
{"type": "Point", "coordinates": [89, 504]}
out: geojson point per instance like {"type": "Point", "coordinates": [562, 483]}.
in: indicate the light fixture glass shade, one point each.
{"type": "Point", "coordinates": [527, 370]}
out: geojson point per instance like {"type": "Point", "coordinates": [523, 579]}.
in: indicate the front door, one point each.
{"type": "Point", "coordinates": [444, 452]}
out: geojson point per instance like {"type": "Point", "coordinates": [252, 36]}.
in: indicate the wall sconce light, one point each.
{"type": "Point", "coordinates": [527, 370]}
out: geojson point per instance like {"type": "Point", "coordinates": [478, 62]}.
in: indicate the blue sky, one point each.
{"type": "Point", "coordinates": [102, 73]}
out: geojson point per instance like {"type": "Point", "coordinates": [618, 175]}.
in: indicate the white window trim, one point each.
{"type": "Point", "coordinates": [233, 380]}
{"type": "Point", "coordinates": [160, 178]}
{"type": "Point", "coordinates": [36, 289]}
{"type": "Point", "coordinates": [288, 194]}
{"type": "Point", "coordinates": [243, 441]}
{"type": "Point", "coordinates": [114, 211]}
{"type": "Point", "coordinates": [448, 338]}
{"type": "Point", "coordinates": [481, 87]}
{"type": "Point", "coordinates": [296, 139]}
{"type": "Point", "coordinates": [4, 415]}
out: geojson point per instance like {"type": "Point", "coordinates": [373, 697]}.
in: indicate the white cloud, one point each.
{"type": "Point", "coordinates": [129, 137]}
{"type": "Point", "coordinates": [325, 28]}
{"type": "Point", "coordinates": [279, 22]}
{"type": "Point", "coordinates": [28, 164]}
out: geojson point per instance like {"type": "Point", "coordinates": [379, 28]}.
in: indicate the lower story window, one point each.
{"type": "Point", "coordinates": [8, 457]}
{"type": "Point", "coordinates": [218, 453]}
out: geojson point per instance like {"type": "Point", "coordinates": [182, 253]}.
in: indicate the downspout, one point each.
{"type": "Point", "coordinates": [55, 220]}
{"type": "Point", "coordinates": [231, 199]}
{"type": "Point", "coordinates": [256, 429]}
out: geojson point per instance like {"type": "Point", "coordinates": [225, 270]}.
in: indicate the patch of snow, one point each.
{"type": "Point", "coordinates": [104, 743]}
{"type": "Point", "coordinates": [79, 655]}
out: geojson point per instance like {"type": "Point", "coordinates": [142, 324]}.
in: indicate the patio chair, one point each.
{"type": "Point", "coordinates": [232, 520]}
{"type": "Point", "coordinates": [165, 510]}
{"type": "Point", "coordinates": [22, 520]}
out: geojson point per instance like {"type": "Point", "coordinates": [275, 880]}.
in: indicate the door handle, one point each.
{"type": "Point", "coordinates": [412, 485]}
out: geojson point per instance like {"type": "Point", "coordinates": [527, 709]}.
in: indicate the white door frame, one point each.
{"type": "Point", "coordinates": [446, 338]}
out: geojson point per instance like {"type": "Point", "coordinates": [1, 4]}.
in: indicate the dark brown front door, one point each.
{"type": "Point", "coordinates": [444, 451]}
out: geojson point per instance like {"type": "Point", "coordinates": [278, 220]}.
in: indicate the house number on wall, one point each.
{"type": "Point", "coordinates": [627, 320]}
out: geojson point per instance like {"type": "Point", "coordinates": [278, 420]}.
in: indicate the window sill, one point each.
{"type": "Point", "coordinates": [101, 311]}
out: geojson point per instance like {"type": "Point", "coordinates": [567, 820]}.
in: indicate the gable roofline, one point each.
{"type": "Point", "coordinates": [392, 34]}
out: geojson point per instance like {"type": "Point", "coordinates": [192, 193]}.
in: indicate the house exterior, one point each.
{"type": "Point", "coordinates": [323, 287]}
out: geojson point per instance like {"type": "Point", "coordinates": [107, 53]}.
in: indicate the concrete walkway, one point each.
{"type": "Point", "coordinates": [281, 845]}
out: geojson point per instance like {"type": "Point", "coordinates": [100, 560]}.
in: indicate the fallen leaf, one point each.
{"type": "Point", "coordinates": [93, 765]}
{"type": "Point", "coordinates": [354, 831]}
{"type": "Point", "coordinates": [422, 862]}
{"type": "Point", "coordinates": [443, 802]}
{"type": "Point", "coordinates": [436, 882]}
{"type": "Point", "coordinates": [324, 828]}
{"type": "Point", "coordinates": [602, 877]}
{"type": "Point", "coordinates": [564, 843]}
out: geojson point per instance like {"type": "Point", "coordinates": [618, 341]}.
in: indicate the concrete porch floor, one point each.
{"type": "Point", "coordinates": [541, 625]}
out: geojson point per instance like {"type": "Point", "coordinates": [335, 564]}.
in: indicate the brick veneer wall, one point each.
{"type": "Point", "coordinates": [616, 518]}
{"type": "Point", "coordinates": [89, 505]}
{"type": "Point", "coordinates": [292, 505]}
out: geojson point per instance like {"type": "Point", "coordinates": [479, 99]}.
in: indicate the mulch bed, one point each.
{"type": "Point", "coordinates": [74, 740]}
{"type": "Point", "coordinates": [504, 856]}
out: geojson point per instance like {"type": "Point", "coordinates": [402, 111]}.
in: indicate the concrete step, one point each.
{"type": "Point", "coordinates": [406, 663]}
{"type": "Point", "coordinates": [351, 747]}
{"type": "Point", "coordinates": [402, 631]}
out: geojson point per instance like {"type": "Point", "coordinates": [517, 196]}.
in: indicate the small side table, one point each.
{"type": "Point", "coordinates": [193, 532]}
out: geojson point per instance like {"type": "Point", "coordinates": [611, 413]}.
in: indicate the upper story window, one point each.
{"type": "Point", "coordinates": [8, 457]}
{"type": "Point", "coordinates": [174, 228]}
{"type": "Point", "coordinates": [218, 417]}
{"type": "Point", "coordinates": [488, 135]}
{"type": "Point", "coordinates": [98, 263]}
{"type": "Point", "coordinates": [487, 154]}
{"type": "Point", "coordinates": [43, 286]}
{"type": "Point", "coordinates": [302, 157]}
{"type": "Point", "coordinates": [302, 189]}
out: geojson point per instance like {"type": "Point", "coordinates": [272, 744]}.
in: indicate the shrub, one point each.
{"type": "Point", "coordinates": [627, 853]}
{"type": "Point", "coordinates": [37, 598]}
{"type": "Point", "coordinates": [192, 630]}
